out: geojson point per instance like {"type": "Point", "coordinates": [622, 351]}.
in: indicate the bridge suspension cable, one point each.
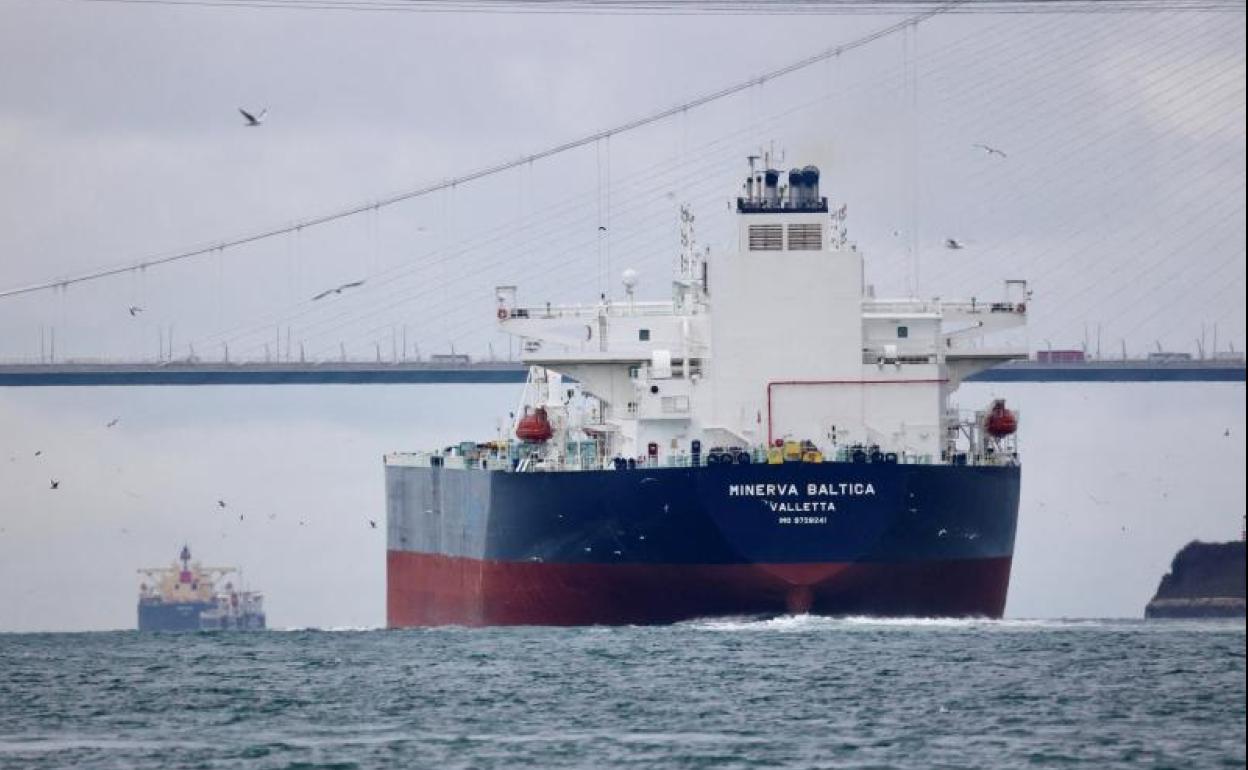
{"type": "Point", "coordinates": [497, 168]}
{"type": "Point", "coordinates": [711, 7]}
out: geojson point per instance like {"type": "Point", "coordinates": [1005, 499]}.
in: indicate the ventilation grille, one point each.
{"type": "Point", "coordinates": [766, 238]}
{"type": "Point", "coordinates": [805, 237]}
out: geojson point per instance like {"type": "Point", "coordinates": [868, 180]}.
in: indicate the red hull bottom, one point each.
{"type": "Point", "coordinates": [431, 590]}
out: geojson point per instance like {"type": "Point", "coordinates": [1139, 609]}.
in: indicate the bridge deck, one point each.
{"type": "Point", "coordinates": [361, 373]}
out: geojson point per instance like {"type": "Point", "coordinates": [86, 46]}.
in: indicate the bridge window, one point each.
{"type": "Point", "coordinates": [674, 404]}
{"type": "Point", "coordinates": [903, 332]}
{"type": "Point", "coordinates": [643, 335]}
{"type": "Point", "coordinates": [808, 237]}
{"type": "Point", "coordinates": [766, 237]}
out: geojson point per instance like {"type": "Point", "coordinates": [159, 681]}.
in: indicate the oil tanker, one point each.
{"type": "Point", "coordinates": [185, 597]}
{"type": "Point", "coordinates": [772, 439]}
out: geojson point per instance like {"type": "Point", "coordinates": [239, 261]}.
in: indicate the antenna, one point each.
{"type": "Point", "coordinates": [629, 278]}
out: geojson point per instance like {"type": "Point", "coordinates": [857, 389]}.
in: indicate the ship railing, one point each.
{"type": "Point", "coordinates": [758, 456]}
{"type": "Point", "coordinates": [904, 357]}
{"type": "Point", "coordinates": [939, 307]}
{"type": "Point", "coordinates": [611, 309]}
{"type": "Point", "coordinates": [1003, 455]}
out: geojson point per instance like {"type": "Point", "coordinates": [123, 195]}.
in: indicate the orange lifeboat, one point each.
{"type": "Point", "coordinates": [534, 427]}
{"type": "Point", "coordinates": [1000, 421]}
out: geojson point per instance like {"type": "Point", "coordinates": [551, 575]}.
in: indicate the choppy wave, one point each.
{"type": "Point", "coordinates": [328, 629]}
{"type": "Point", "coordinates": [810, 623]}
{"type": "Point", "coordinates": [787, 692]}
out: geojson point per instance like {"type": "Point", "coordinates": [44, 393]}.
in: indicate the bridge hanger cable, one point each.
{"type": "Point", "coordinates": [1051, 186]}
{"type": "Point", "coordinates": [533, 233]}
{"type": "Point", "coordinates": [709, 7]}
{"type": "Point", "coordinates": [1093, 223]}
{"type": "Point", "coordinates": [496, 168]}
{"type": "Point", "coordinates": [352, 316]}
{"type": "Point", "coordinates": [1003, 184]}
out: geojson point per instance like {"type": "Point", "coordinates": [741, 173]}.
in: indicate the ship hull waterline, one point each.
{"type": "Point", "coordinates": [649, 546]}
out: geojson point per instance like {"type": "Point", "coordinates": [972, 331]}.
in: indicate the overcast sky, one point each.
{"type": "Point", "coordinates": [1121, 199]}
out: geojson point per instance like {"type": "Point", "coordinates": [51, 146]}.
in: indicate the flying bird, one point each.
{"type": "Point", "coordinates": [112, 422]}
{"type": "Point", "coordinates": [602, 228]}
{"type": "Point", "coordinates": [134, 310]}
{"type": "Point", "coordinates": [254, 120]}
{"type": "Point", "coordinates": [55, 484]}
{"type": "Point", "coordinates": [338, 290]}
{"type": "Point", "coordinates": [220, 503]}
{"type": "Point", "coordinates": [372, 524]}
{"type": "Point", "coordinates": [38, 452]}
{"type": "Point", "coordinates": [990, 150]}
{"type": "Point", "coordinates": [954, 244]}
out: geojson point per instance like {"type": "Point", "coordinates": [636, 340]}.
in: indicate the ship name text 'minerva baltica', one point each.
{"type": "Point", "coordinates": [841, 489]}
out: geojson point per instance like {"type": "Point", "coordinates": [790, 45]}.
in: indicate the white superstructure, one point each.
{"type": "Point", "coordinates": [779, 341]}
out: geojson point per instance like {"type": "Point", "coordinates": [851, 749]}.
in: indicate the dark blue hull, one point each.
{"type": "Point", "coordinates": [180, 616]}
{"type": "Point", "coordinates": [479, 546]}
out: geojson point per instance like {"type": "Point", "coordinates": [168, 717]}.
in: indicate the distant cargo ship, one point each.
{"type": "Point", "coordinates": [184, 597]}
{"type": "Point", "coordinates": [772, 439]}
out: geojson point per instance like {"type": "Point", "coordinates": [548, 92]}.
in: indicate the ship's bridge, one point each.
{"type": "Point", "coordinates": [780, 340]}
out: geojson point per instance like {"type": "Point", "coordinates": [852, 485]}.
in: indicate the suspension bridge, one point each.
{"type": "Point", "coordinates": [504, 372]}
{"type": "Point", "coordinates": [1119, 197]}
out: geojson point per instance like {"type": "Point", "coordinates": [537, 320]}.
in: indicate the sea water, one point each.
{"type": "Point", "coordinates": [789, 692]}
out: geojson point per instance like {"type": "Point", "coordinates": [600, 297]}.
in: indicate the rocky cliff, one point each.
{"type": "Point", "coordinates": [1206, 580]}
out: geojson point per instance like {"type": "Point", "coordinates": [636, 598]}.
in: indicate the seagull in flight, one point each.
{"type": "Point", "coordinates": [55, 484]}
{"type": "Point", "coordinates": [954, 244]}
{"type": "Point", "coordinates": [134, 310]}
{"type": "Point", "coordinates": [338, 289]}
{"type": "Point", "coordinates": [372, 524]}
{"type": "Point", "coordinates": [220, 503]}
{"type": "Point", "coordinates": [990, 150]}
{"type": "Point", "coordinates": [112, 422]}
{"type": "Point", "coordinates": [254, 120]}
